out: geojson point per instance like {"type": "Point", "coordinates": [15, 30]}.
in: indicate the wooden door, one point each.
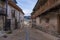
{"type": "Point", "coordinates": [1, 22]}
{"type": "Point", "coordinates": [59, 24]}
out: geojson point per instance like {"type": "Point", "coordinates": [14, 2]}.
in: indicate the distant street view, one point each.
{"type": "Point", "coordinates": [29, 19]}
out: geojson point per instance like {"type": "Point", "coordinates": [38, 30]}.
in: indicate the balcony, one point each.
{"type": "Point", "coordinates": [39, 4]}
{"type": "Point", "coordinates": [48, 5]}
{"type": "Point", "coordinates": [2, 11]}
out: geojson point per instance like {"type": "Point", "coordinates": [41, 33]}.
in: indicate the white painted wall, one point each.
{"type": "Point", "coordinates": [21, 19]}
{"type": "Point", "coordinates": [9, 12]}
{"type": "Point", "coordinates": [17, 15]}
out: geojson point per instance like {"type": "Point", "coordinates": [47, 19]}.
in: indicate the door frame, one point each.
{"type": "Point", "coordinates": [58, 23]}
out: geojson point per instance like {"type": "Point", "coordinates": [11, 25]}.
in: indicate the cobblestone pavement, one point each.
{"type": "Point", "coordinates": [16, 35]}
{"type": "Point", "coordinates": [26, 34]}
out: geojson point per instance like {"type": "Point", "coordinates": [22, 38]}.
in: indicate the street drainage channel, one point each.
{"type": "Point", "coordinates": [27, 34]}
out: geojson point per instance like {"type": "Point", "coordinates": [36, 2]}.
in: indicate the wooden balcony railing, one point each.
{"type": "Point", "coordinates": [2, 11]}
{"type": "Point", "coordinates": [48, 5]}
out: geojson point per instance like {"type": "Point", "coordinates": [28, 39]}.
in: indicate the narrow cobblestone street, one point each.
{"type": "Point", "coordinates": [29, 19]}
{"type": "Point", "coordinates": [26, 34]}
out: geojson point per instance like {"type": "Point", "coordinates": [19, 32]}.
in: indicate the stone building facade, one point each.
{"type": "Point", "coordinates": [47, 16]}
{"type": "Point", "coordinates": [10, 18]}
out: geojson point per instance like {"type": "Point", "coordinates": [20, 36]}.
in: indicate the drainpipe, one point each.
{"type": "Point", "coordinates": [19, 19]}
{"type": "Point", "coordinates": [6, 6]}
{"type": "Point", "coordinates": [5, 27]}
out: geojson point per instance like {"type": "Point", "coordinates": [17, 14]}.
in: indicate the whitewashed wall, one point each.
{"type": "Point", "coordinates": [17, 15]}
{"type": "Point", "coordinates": [21, 19]}
{"type": "Point", "coordinates": [9, 12]}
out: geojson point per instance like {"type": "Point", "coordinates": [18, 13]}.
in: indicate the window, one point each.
{"type": "Point", "coordinates": [13, 13]}
{"type": "Point", "coordinates": [40, 20]}
{"type": "Point", "coordinates": [47, 20]}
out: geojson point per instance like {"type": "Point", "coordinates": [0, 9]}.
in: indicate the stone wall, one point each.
{"type": "Point", "coordinates": [51, 26]}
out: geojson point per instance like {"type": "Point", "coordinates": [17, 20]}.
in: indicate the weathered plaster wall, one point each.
{"type": "Point", "coordinates": [38, 21]}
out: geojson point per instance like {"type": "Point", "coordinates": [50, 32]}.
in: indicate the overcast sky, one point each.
{"type": "Point", "coordinates": [26, 5]}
